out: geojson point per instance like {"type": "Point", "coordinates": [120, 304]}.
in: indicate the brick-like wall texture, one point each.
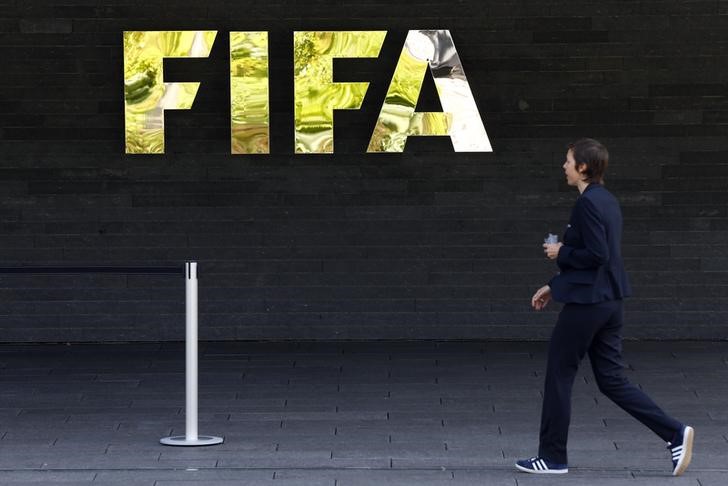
{"type": "Point", "coordinates": [425, 244]}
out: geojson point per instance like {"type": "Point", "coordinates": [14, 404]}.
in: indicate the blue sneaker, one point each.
{"type": "Point", "coordinates": [682, 450]}
{"type": "Point", "coordinates": [538, 465]}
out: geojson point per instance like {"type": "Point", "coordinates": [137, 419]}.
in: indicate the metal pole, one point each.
{"type": "Point", "coordinates": [191, 370]}
{"type": "Point", "coordinates": [191, 354]}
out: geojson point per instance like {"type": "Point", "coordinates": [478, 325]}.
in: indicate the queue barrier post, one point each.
{"type": "Point", "coordinates": [191, 437]}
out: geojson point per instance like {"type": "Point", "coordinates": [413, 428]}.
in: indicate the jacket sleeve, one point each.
{"type": "Point", "coordinates": [594, 236]}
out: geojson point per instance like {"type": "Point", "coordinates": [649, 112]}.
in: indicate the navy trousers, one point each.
{"type": "Point", "coordinates": [594, 329]}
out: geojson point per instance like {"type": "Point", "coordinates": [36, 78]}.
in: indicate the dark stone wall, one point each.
{"type": "Point", "coordinates": [424, 244]}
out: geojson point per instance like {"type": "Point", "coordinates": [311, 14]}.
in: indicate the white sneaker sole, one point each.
{"type": "Point", "coordinates": [687, 455]}
{"type": "Point", "coordinates": [547, 471]}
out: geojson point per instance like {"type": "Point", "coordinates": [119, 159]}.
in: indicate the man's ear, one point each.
{"type": "Point", "coordinates": [581, 168]}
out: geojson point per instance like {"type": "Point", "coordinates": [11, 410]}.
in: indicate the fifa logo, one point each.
{"type": "Point", "coordinates": [316, 95]}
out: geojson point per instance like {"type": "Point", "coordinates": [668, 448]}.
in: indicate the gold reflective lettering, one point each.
{"type": "Point", "coordinates": [460, 119]}
{"type": "Point", "coordinates": [316, 95]}
{"type": "Point", "coordinates": [146, 95]}
{"type": "Point", "coordinates": [249, 93]}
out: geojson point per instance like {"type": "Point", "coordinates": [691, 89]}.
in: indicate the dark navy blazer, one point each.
{"type": "Point", "coordinates": [590, 259]}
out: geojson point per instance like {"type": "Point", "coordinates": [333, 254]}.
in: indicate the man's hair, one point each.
{"type": "Point", "coordinates": [594, 155]}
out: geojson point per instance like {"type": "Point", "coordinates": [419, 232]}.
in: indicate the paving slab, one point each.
{"type": "Point", "coordinates": [360, 413]}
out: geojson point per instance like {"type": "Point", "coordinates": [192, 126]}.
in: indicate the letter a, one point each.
{"type": "Point", "coordinates": [398, 119]}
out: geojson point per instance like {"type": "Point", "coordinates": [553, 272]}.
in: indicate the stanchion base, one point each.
{"type": "Point", "coordinates": [181, 440]}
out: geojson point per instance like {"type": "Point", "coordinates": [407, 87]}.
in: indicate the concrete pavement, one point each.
{"type": "Point", "coordinates": [343, 414]}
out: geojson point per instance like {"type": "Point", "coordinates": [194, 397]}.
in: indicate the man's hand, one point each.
{"type": "Point", "coordinates": [552, 250]}
{"type": "Point", "coordinates": [541, 297]}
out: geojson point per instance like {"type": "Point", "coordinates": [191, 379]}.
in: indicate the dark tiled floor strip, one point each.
{"type": "Point", "coordinates": [371, 413]}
